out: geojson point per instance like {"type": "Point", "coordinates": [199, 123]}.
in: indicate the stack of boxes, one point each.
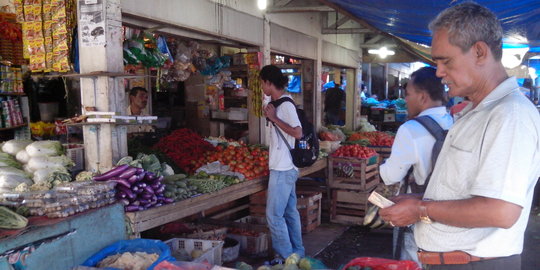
{"type": "Point", "coordinates": [351, 180]}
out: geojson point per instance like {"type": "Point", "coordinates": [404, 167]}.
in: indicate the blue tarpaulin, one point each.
{"type": "Point", "coordinates": [409, 19]}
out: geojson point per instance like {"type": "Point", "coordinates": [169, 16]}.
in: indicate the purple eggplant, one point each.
{"type": "Point", "coordinates": [112, 173]}
{"type": "Point", "coordinates": [160, 189]}
{"type": "Point", "coordinates": [146, 196]}
{"type": "Point", "coordinates": [158, 204]}
{"type": "Point", "coordinates": [139, 171]}
{"type": "Point", "coordinates": [132, 208]}
{"type": "Point", "coordinates": [149, 189]}
{"type": "Point", "coordinates": [128, 173]}
{"type": "Point", "coordinates": [120, 182]}
{"type": "Point", "coordinates": [141, 176]}
{"type": "Point", "coordinates": [144, 201]}
{"type": "Point", "coordinates": [159, 179]}
{"type": "Point", "coordinates": [129, 193]}
{"type": "Point", "coordinates": [120, 195]}
{"type": "Point", "coordinates": [135, 188]}
{"type": "Point", "coordinates": [133, 179]}
{"type": "Point", "coordinates": [150, 176]}
{"type": "Point", "coordinates": [148, 206]}
{"type": "Point", "coordinates": [135, 202]}
{"type": "Point", "coordinates": [155, 186]}
{"type": "Point", "coordinates": [141, 185]}
{"type": "Point", "coordinates": [168, 200]}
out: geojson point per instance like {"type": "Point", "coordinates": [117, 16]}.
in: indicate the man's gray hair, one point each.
{"type": "Point", "coordinates": [468, 23]}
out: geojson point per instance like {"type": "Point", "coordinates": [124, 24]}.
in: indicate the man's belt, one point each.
{"type": "Point", "coordinates": [452, 257]}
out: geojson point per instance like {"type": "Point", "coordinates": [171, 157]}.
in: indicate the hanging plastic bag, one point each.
{"type": "Point", "coordinates": [135, 245]}
{"type": "Point", "coordinates": [163, 48]}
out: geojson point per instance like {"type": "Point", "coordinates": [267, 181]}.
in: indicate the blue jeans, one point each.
{"type": "Point", "coordinates": [282, 215]}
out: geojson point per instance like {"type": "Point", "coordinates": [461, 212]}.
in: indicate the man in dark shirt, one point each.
{"type": "Point", "coordinates": [332, 104]}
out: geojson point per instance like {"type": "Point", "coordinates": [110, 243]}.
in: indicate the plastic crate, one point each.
{"type": "Point", "coordinates": [76, 153]}
{"type": "Point", "coordinates": [213, 249]}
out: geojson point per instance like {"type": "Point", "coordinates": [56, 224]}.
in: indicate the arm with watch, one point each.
{"type": "Point", "coordinates": [468, 213]}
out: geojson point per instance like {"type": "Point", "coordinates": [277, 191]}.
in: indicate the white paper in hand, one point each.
{"type": "Point", "coordinates": [378, 200]}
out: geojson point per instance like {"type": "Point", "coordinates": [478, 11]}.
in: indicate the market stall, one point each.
{"type": "Point", "coordinates": [144, 220]}
{"type": "Point", "coordinates": [63, 242]}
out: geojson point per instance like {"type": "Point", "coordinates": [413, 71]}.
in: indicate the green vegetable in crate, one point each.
{"type": "Point", "coordinates": [196, 253]}
{"type": "Point", "coordinates": [264, 267]}
{"type": "Point", "coordinates": [84, 176]}
{"type": "Point", "coordinates": [207, 185]}
{"type": "Point", "coordinates": [11, 220]}
{"type": "Point", "coordinates": [278, 267]}
{"type": "Point", "coordinates": [290, 267]}
{"type": "Point", "coordinates": [174, 177]}
{"type": "Point", "coordinates": [292, 259]}
{"type": "Point", "coordinates": [243, 266]}
{"type": "Point", "coordinates": [304, 264]}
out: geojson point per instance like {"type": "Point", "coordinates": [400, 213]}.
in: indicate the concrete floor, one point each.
{"type": "Point", "coordinates": [319, 239]}
{"type": "Point", "coordinates": [336, 244]}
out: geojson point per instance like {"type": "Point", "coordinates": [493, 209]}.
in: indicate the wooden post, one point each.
{"type": "Point", "coordinates": [100, 54]}
{"type": "Point", "coordinates": [317, 93]}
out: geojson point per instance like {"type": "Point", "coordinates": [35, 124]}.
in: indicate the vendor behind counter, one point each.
{"type": "Point", "coordinates": [138, 101]}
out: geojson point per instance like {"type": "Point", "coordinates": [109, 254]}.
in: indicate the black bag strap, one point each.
{"type": "Point", "coordinates": [439, 134]}
{"type": "Point", "coordinates": [281, 135]}
{"type": "Point", "coordinates": [276, 104]}
{"type": "Point", "coordinates": [279, 101]}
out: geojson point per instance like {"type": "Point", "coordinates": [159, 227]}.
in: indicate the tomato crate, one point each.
{"type": "Point", "coordinates": [308, 205]}
{"type": "Point", "coordinates": [353, 173]}
{"type": "Point", "coordinates": [252, 234]}
{"type": "Point", "coordinates": [349, 206]}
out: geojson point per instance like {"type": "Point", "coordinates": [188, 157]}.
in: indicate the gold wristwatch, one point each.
{"type": "Point", "coordinates": [424, 217]}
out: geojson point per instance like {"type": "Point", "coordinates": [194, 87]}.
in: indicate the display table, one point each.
{"type": "Point", "coordinates": [154, 217]}
{"type": "Point", "coordinates": [64, 242]}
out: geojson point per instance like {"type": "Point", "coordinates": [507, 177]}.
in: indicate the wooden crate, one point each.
{"type": "Point", "coordinates": [308, 205]}
{"type": "Point", "coordinates": [365, 173]}
{"type": "Point", "coordinates": [383, 151]}
{"type": "Point", "coordinates": [349, 206]}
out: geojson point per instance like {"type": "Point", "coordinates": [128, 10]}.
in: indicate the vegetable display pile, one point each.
{"type": "Point", "coordinates": [354, 150]}
{"type": "Point", "coordinates": [136, 188]}
{"type": "Point", "coordinates": [251, 161]}
{"type": "Point", "coordinates": [183, 146]}
{"type": "Point", "coordinates": [376, 138]}
{"type": "Point", "coordinates": [293, 262]}
{"type": "Point", "coordinates": [178, 188]}
{"type": "Point", "coordinates": [11, 220]}
{"type": "Point", "coordinates": [44, 163]}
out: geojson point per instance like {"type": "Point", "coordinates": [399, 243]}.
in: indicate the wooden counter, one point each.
{"type": "Point", "coordinates": [154, 217]}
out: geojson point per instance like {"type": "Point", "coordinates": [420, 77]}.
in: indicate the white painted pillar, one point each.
{"type": "Point", "coordinates": [264, 129]}
{"type": "Point", "coordinates": [100, 53]}
{"type": "Point", "coordinates": [358, 100]}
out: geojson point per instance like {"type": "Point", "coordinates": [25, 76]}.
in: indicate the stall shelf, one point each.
{"type": "Point", "coordinates": [62, 243]}
{"type": "Point", "coordinates": [154, 217]}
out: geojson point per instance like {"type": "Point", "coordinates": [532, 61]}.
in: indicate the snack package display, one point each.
{"type": "Point", "coordinates": [46, 27]}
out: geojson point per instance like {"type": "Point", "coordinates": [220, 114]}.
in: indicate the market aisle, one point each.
{"type": "Point", "coordinates": [359, 242]}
